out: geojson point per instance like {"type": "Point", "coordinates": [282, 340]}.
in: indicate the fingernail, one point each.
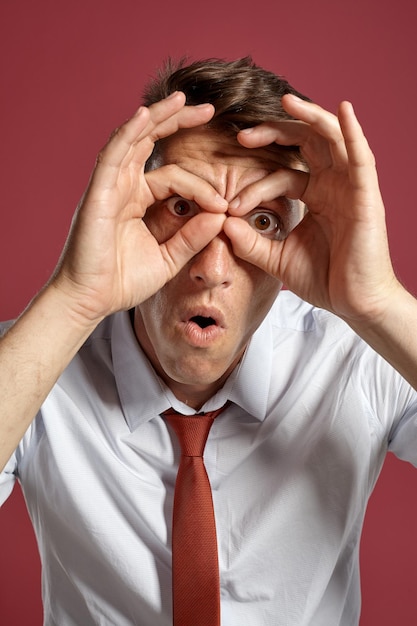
{"type": "Point", "coordinates": [234, 204]}
{"type": "Point", "coordinates": [246, 131]}
{"type": "Point", "coordinates": [294, 97]}
{"type": "Point", "coordinates": [171, 95]}
{"type": "Point", "coordinates": [221, 201]}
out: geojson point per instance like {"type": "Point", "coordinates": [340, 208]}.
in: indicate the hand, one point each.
{"type": "Point", "coordinates": [337, 257]}
{"type": "Point", "coordinates": [111, 260]}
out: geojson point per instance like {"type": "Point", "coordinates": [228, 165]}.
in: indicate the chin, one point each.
{"type": "Point", "coordinates": [197, 372]}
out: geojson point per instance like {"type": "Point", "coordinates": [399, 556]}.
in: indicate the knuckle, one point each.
{"type": "Point", "coordinates": [171, 169]}
{"type": "Point", "coordinates": [114, 133]}
{"type": "Point", "coordinates": [171, 175]}
{"type": "Point", "coordinates": [100, 156]}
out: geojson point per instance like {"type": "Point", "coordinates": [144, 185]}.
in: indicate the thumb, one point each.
{"type": "Point", "coordinates": [252, 247]}
{"type": "Point", "coordinates": [195, 235]}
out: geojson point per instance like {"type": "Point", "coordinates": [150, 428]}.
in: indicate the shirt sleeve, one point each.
{"type": "Point", "coordinates": [392, 400]}
{"type": "Point", "coordinates": [13, 467]}
{"type": "Point", "coordinates": [399, 401]}
{"type": "Point", "coordinates": [8, 479]}
{"type": "Point", "coordinates": [403, 437]}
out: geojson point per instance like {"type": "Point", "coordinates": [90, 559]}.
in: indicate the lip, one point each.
{"type": "Point", "coordinates": [201, 326]}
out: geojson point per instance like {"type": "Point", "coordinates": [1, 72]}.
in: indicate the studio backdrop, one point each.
{"type": "Point", "coordinates": [72, 71]}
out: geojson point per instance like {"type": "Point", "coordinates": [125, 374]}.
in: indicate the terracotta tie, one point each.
{"type": "Point", "coordinates": [195, 566]}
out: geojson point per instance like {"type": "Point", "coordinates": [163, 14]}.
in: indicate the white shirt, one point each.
{"type": "Point", "coordinates": [292, 462]}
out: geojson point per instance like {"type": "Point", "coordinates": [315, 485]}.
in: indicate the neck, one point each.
{"type": "Point", "coordinates": [194, 396]}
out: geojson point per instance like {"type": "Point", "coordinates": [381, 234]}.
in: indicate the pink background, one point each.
{"type": "Point", "coordinates": [70, 72]}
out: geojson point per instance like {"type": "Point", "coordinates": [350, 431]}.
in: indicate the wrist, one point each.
{"type": "Point", "coordinates": [80, 307]}
{"type": "Point", "coordinates": [62, 318]}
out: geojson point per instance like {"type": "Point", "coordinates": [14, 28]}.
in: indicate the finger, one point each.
{"type": "Point", "coordinates": [158, 113]}
{"type": "Point", "coordinates": [160, 120]}
{"type": "Point", "coordinates": [139, 126]}
{"type": "Point", "coordinates": [284, 183]}
{"type": "Point", "coordinates": [111, 157]}
{"type": "Point", "coordinates": [286, 133]}
{"type": "Point", "coordinates": [317, 132]}
{"type": "Point", "coordinates": [324, 123]}
{"type": "Point", "coordinates": [159, 128]}
{"type": "Point", "coordinates": [360, 156]}
{"type": "Point", "coordinates": [195, 235]}
{"type": "Point", "coordinates": [252, 247]}
{"type": "Point", "coordinates": [164, 120]}
{"type": "Point", "coordinates": [314, 149]}
{"type": "Point", "coordinates": [186, 117]}
{"type": "Point", "coordinates": [152, 121]}
{"type": "Point", "coordinates": [170, 180]}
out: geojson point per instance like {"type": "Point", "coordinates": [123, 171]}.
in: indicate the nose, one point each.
{"type": "Point", "coordinates": [213, 266]}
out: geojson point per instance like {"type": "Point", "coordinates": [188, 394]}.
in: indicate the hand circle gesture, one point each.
{"type": "Point", "coordinates": [337, 257]}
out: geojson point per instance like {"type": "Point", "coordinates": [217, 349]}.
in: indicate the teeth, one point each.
{"type": "Point", "coordinates": [203, 322]}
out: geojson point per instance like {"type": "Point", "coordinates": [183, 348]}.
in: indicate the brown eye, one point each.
{"type": "Point", "coordinates": [182, 207]}
{"type": "Point", "coordinates": [262, 222]}
{"type": "Point", "coordinates": [266, 223]}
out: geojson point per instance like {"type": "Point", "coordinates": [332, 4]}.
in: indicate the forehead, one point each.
{"type": "Point", "coordinates": [213, 155]}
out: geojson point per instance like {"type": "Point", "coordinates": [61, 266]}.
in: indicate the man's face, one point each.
{"type": "Point", "coordinates": [195, 329]}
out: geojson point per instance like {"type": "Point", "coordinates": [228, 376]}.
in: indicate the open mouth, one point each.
{"type": "Point", "coordinates": [203, 327]}
{"type": "Point", "coordinates": [202, 321]}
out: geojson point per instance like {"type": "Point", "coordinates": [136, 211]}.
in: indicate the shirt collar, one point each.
{"type": "Point", "coordinates": [143, 395]}
{"type": "Point", "coordinates": [140, 390]}
{"type": "Point", "coordinates": [250, 388]}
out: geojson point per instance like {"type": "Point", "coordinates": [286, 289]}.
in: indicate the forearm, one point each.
{"type": "Point", "coordinates": [394, 334]}
{"type": "Point", "coordinates": [33, 354]}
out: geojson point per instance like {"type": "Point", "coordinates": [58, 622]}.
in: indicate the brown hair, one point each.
{"type": "Point", "coordinates": [243, 93]}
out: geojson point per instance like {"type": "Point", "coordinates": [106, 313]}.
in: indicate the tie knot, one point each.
{"type": "Point", "coordinates": [191, 430]}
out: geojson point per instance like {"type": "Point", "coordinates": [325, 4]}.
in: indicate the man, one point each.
{"type": "Point", "coordinates": [168, 295]}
